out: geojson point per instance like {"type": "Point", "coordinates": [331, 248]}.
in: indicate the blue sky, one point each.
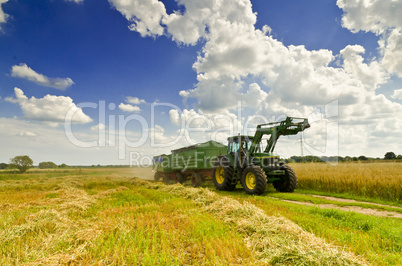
{"type": "Point", "coordinates": [273, 58]}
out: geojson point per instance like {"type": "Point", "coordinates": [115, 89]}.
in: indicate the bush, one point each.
{"type": "Point", "coordinates": [47, 165]}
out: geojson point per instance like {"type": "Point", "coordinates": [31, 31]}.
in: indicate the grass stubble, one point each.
{"type": "Point", "coordinates": [93, 220]}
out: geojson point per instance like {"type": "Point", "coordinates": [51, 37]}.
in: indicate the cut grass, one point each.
{"type": "Point", "coordinates": [376, 238]}
{"type": "Point", "coordinates": [274, 239]}
{"type": "Point", "coordinates": [118, 224]}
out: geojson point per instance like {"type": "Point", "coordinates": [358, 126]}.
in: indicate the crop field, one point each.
{"type": "Point", "coordinates": [114, 216]}
{"type": "Point", "coordinates": [371, 180]}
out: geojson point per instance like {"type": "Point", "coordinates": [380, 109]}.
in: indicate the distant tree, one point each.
{"type": "Point", "coordinates": [362, 158]}
{"type": "Point", "coordinates": [22, 163]}
{"type": "Point", "coordinates": [47, 165]}
{"type": "Point", "coordinates": [348, 159]}
{"type": "Point", "coordinates": [63, 165]}
{"type": "Point", "coordinates": [389, 156]}
{"type": "Point", "coordinates": [3, 165]}
{"type": "Point", "coordinates": [399, 157]}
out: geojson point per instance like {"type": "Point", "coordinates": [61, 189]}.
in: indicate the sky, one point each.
{"type": "Point", "coordinates": [86, 82]}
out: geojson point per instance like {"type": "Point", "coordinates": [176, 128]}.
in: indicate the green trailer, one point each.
{"type": "Point", "coordinates": [195, 162]}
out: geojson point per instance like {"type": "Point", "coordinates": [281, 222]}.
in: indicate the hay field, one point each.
{"type": "Point", "coordinates": [371, 180]}
{"type": "Point", "coordinates": [108, 217]}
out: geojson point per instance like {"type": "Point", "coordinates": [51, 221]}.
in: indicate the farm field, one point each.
{"type": "Point", "coordinates": [109, 216]}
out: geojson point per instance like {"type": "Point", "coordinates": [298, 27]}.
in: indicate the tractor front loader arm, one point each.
{"type": "Point", "coordinates": [289, 126]}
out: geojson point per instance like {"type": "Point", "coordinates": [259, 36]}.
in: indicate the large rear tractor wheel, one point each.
{"type": "Point", "coordinates": [222, 177]}
{"type": "Point", "coordinates": [288, 182]}
{"type": "Point", "coordinates": [254, 180]}
{"type": "Point", "coordinates": [196, 180]}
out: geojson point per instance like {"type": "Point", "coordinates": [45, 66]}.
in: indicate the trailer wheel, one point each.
{"type": "Point", "coordinates": [289, 181]}
{"type": "Point", "coordinates": [222, 177]}
{"type": "Point", "coordinates": [254, 180]}
{"type": "Point", "coordinates": [157, 176]}
{"type": "Point", "coordinates": [165, 178]}
{"type": "Point", "coordinates": [196, 180]}
{"type": "Point", "coordinates": [180, 178]}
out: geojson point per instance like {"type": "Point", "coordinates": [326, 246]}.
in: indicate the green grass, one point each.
{"type": "Point", "coordinates": [316, 200]}
{"type": "Point", "coordinates": [378, 239]}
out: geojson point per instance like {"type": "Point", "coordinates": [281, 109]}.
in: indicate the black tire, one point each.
{"type": "Point", "coordinates": [157, 176]}
{"type": "Point", "coordinates": [179, 178]}
{"type": "Point", "coordinates": [222, 176]}
{"type": "Point", "coordinates": [196, 180]}
{"type": "Point", "coordinates": [165, 178]}
{"type": "Point", "coordinates": [254, 180]}
{"type": "Point", "coordinates": [288, 182]}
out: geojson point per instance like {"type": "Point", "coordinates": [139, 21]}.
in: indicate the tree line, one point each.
{"type": "Point", "coordinates": [311, 159]}
{"type": "Point", "coordinates": [24, 162]}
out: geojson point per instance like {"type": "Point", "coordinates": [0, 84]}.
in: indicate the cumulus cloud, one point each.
{"type": "Point", "coordinates": [134, 100]}
{"type": "Point", "coordinates": [3, 16]}
{"type": "Point", "coordinates": [382, 17]}
{"type": "Point", "coordinates": [397, 94]}
{"type": "Point", "coordinates": [25, 72]}
{"type": "Point", "coordinates": [371, 75]}
{"type": "Point", "coordinates": [52, 109]}
{"type": "Point", "coordinates": [241, 63]}
{"type": "Point", "coordinates": [144, 16]}
{"type": "Point", "coordinates": [129, 108]}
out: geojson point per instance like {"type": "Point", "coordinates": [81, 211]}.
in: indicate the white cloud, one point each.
{"type": "Point", "coordinates": [98, 127]}
{"type": "Point", "coordinates": [382, 17]}
{"type": "Point", "coordinates": [240, 63]}
{"type": "Point", "coordinates": [75, 1]}
{"type": "Point", "coordinates": [51, 109]}
{"type": "Point", "coordinates": [129, 108]}
{"type": "Point", "coordinates": [27, 134]}
{"type": "Point", "coordinates": [144, 16]}
{"type": "Point", "coordinates": [3, 16]}
{"type": "Point", "coordinates": [397, 94]}
{"type": "Point", "coordinates": [371, 75]}
{"type": "Point", "coordinates": [25, 72]}
{"type": "Point", "coordinates": [134, 100]}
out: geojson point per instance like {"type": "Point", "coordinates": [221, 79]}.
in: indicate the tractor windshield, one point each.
{"type": "Point", "coordinates": [234, 144]}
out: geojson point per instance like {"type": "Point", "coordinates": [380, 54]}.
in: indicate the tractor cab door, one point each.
{"type": "Point", "coordinates": [238, 148]}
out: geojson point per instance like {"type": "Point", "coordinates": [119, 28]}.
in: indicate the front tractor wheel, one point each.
{"type": "Point", "coordinates": [222, 178]}
{"type": "Point", "coordinates": [254, 180]}
{"type": "Point", "coordinates": [288, 182]}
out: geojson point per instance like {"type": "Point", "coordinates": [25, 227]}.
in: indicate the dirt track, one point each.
{"type": "Point", "coordinates": [366, 211]}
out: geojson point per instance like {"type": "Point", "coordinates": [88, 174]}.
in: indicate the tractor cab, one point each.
{"type": "Point", "coordinates": [237, 143]}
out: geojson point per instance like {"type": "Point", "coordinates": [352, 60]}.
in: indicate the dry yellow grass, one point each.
{"type": "Point", "coordinates": [374, 180]}
{"type": "Point", "coordinates": [275, 240]}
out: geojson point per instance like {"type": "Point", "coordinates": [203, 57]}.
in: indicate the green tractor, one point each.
{"type": "Point", "coordinates": [246, 163]}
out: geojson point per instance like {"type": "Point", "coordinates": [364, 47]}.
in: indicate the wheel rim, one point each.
{"type": "Point", "coordinates": [250, 180]}
{"type": "Point", "coordinates": [220, 175]}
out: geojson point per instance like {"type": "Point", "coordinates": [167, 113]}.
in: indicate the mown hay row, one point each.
{"type": "Point", "coordinates": [276, 240]}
